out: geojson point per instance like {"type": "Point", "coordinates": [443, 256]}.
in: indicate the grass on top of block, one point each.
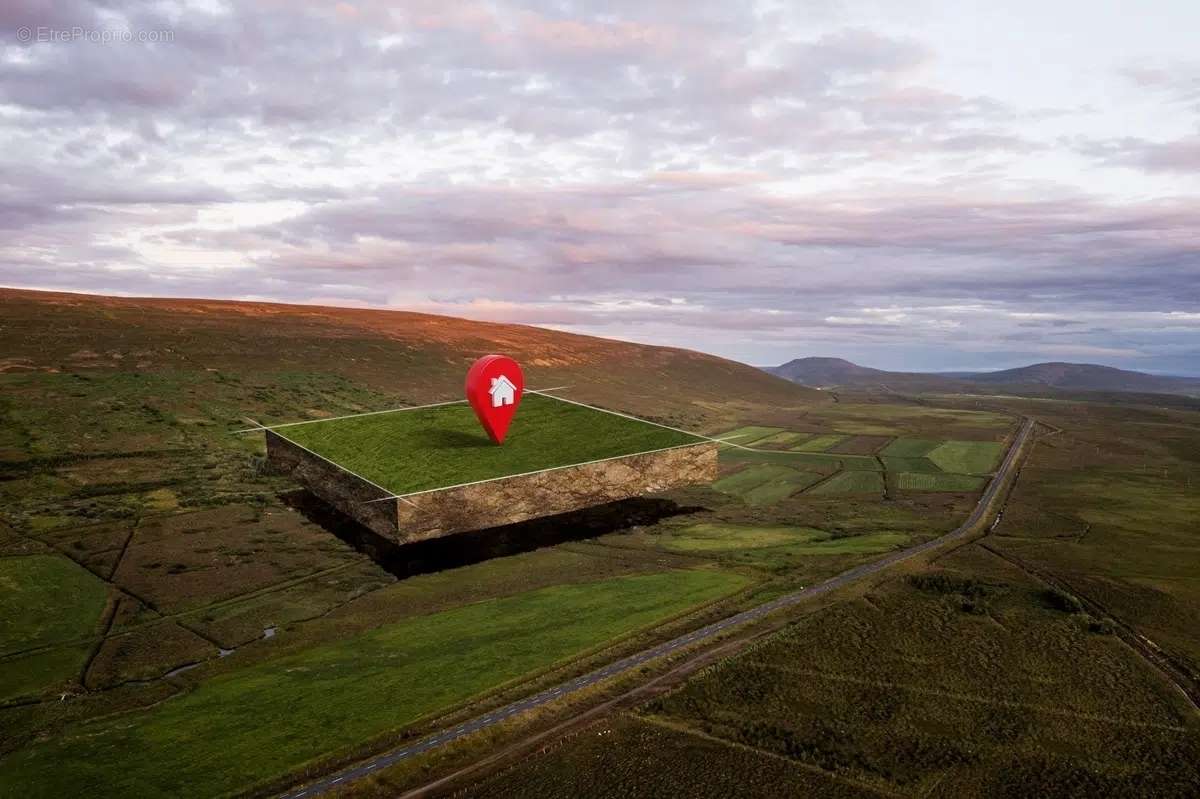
{"type": "Point", "coordinates": [430, 448]}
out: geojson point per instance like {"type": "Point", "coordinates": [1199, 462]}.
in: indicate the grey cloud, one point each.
{"type": "Point", "coordinates": [1179, 155]}
{"type": "Point", "coordinates": [574, 164]}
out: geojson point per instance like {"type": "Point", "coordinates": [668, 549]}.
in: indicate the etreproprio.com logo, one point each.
{"type": "Point", "coordinates": [41, 34]}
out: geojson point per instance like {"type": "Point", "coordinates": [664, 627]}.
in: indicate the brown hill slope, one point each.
{"type": "Point", "coordinates": [410, 357]}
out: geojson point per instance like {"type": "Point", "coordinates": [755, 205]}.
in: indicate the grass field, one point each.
{"type": "Point", "coordinates": [910, 447]}
{"type": "Point", "coordinates": [909, 421]}
{"type": "Point", "coordinates": [918, 481]}
{"type": "Point", "coordinates": [782, 440]}
{"type": "Point", "coordinates": [45, 599]}
{"type": "Point", "coordinates": [911, 464]}
{"type": "Point", "coordinates": [778, 549]}
{"type": "Point", "coordinates": [966, 457]}
{"type": "Point", "coordinates": [919, 465]}
{"type": "Point", "coordinates": [860, 482]}
{"type": "Point", "coordinates": [818, 443]}
{"type": "Point", "coordinates": [263, 721]}
{"type": "Point", "coordinates": [711, 537]}
{"type": "Point", "coordinates": [428, 448]}
{"type": "Point", "coordinates": [765, 483]}
{"type": "Point", "coordinates": [750, 434]}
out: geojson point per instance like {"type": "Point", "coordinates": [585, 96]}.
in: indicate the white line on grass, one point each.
{"type": "Point", "coordinates": [541, 392]}
{"type": "Point", "coordinates": [374, 413]}
{"type": "Point", "coordinates": [350, 416]}
{"type": "Point", "coordinates": [390, 494]}
{"type": "Point", "coordinates": [535, 471]}
{"type": "Point", "coordinates": [637, 419]}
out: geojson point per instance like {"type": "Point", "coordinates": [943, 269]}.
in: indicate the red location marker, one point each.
{"type": "Point", "coordinates": [494, 388]}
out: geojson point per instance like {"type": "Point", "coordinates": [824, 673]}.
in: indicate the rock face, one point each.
{"type": "Point", "coordinates": [506, 500]}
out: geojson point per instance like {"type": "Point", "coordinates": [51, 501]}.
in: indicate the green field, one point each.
{"type": "Point", "coordinates": [918, 465]}
{"type": "Point", "coordinates": [818, 443]}
{"type": "Point", "coordinates": [773, 545]}
{"type": "Point", "coordinates": [429, 448]}
{"type": "Point", "coordinates": [860, 482]}
{"type": "Point", "coordinates": [263, 721]}
{"type": "Point", "coordinates": [799, 460]}
{"type": "Point", "coordinates": [711, 537]}
{"type": "Point", "coordinates": [46, 599]}
{"type": "Point", "coordinates": [916, 481]}
{"type": "Point", "coordinates": [750, 434]}
{"type": "Point", "coordinates": [783, 440]}
{"type": "Point", "coordinates": [967, 457]}
{"type": "Point", "coordinates": [765, 483]}
{"type": "Point", "coordinates": [910, 447]}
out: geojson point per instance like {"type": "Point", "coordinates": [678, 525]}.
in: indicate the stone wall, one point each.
{"type": "Point", "coordinates": [495, 502]}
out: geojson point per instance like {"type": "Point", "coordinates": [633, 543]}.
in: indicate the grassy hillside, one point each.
{"type": "Point", "coordinates": [409, 358]}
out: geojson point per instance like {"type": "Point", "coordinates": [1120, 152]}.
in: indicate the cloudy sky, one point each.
{"type": "Point", "coordinates": [926, 185]}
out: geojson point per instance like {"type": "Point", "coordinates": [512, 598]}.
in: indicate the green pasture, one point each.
{"type": "Point", "coordinates": [241, 729]}
{"type": "Point", "coordinates": [765, 483]}
{"type": "Point", "coordinates": [967, 457]}
{"type": "Point", "coordinates": [911, 481]}
{"type": "Point", "coordinates": [851, 482]}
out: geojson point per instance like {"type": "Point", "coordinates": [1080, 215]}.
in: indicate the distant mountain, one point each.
{"type": "Point", "coordinates": [1087, 377]}
{"type": "Point", "coordinates": [836, 372]}
{"type": "Point", "coordinates": [826, 372]}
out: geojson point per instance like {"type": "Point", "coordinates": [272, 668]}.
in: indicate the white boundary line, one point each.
{"type": "Point", "coordinates": [537, 471]}
{"type": "Point", "coordinates": [390, 494]}
{"type": "Point", "coordinates": [540, 392]}
{"type": "Point", "coordinates": [376, 413]}
{"type": "Point", "coordinates": [349, 416]}
{"type": "Point", "coordinates": [637, 419]}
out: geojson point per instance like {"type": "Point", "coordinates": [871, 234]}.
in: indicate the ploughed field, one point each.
{"type": "Point", "coordinates": [407, 451]}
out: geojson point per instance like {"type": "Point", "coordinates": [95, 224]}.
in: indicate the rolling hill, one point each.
{"type": "Point", "coordinates": [410, 357]}
{"type": "Point", "coordinates": [831, 372]}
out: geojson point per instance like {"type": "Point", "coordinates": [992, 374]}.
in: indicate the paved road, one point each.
{"type": "Point", "coordinates": [449, 734]}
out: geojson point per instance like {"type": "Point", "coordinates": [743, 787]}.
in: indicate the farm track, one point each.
{"type": "Point", "coordinates": [961, 534]}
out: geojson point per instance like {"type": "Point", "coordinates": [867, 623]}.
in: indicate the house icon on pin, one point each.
{"type": "Point", "coordinates": [502, 391]}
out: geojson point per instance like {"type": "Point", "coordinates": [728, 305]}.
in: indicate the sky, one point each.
{"type": "Point", "coordinates": [920, 185]}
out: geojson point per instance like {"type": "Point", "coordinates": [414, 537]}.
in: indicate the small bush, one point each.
{"type": "Point", "coordinates": [1061, 600]}
{"type": "Point", "coordinates": [976, 606]}
{"type": "Point", "coordinates": [1098, 626]}
{"type": "Point", "coordinates": [948, 584]}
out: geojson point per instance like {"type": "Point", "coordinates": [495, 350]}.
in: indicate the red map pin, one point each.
{"type": "Point", "coordinates": [494, 387]}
